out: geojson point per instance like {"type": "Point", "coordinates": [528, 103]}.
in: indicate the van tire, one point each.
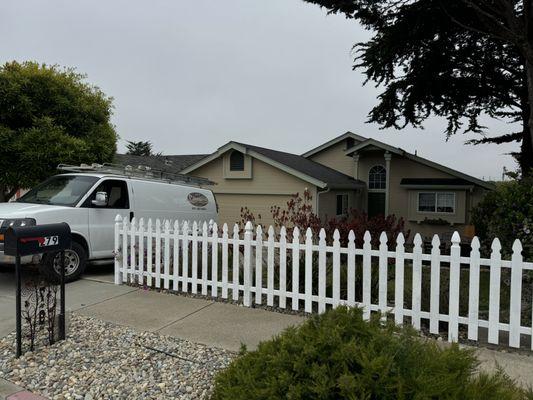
{"type": "Point", "coordinates": [75, 263]}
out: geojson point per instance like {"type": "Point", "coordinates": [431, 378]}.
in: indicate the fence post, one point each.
{"type": "Point", "coordinates": [270, 267]}
{"type": "Point", "coordinates": [185, 258]}
{"type": "Point", "coordinates": [194, 258]}
{"type": "Point", "coordinates": [455, 276]}
{"type": "Point", "coordinates": [214, 259]}
{"type": "Point", "coordinates": [383, 275]}
{"type": "Point", "coordinates": [282, 267]}
{"type": "Point", "coordinates": [157, 253]}
{"type": "Point", "coordinates": [236, 255]}
{"type": "Point", "coordinates": [149, 252]}
{"type": "Point", "coordinates": [176, 256]}
{"type": "Point", "coordinates": [140, 270]}
{"type": "Point", "coordinates": [516, 295]}
{"type": "Point", "coordinates": [308, 270]}
{"type": "Point", "coordinates": [205, 260]}
{"type": "Point", "coordinates": [118, 251]}
{"type": "Point", "coordinates": [125, 255]}
{"type": "Point", "coordinates": [336, 268]}
{"type": "Point", "coordinates": [473, 291]}
{"type": "Point", "coordinates": [367, 274]}
{"type": "Point", "coordinates": [295, 268]}
{"type": "Point", "coordinates": [434, 301]}
{"type": "Point", "coordinates": [166, 258]}
{"type": "Point", "coordinates": [399, 277]}
{"type": "Point", "coordinates": [133, 258]}
{"type": "Point", "coordinates": [321, 271]}
{"type": "Point", "coordinates": [417, 281]}
{"type": "Point", "coordinates": [248, 234]}
{"type": "Point", "coordinates": [351, 269]}
{"type": "Point", "coordinates": [258, 265]}
{"type": "Point", "coordinates": [225, 240]}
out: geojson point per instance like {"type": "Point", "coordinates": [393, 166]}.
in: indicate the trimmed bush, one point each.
{"type": "Point", "coordinates": [337, 355]}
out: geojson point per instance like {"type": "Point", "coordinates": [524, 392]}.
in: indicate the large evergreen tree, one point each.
{"type": "Point", "coordinates": [459, 59]}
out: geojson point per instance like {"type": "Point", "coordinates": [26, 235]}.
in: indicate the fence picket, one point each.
{"type": "Point", "coordinates": [214, 260]}
{"type": "Point", "coordinates": [516, 295]}
{"type": "Point", "coordinates": [133, 250]}
{"type": "Point", "coordinates": [399, 278]}
{"type": "Point", "coordinates": [322, 271]}
{"type": "Point", "coordinates": [118, 251]}
{"type": "Point", "coordinates": [205, 259]}
{"type": "Point", "coordinates": [225, 241]}
{"type": "Point", "coordinates": [434, 294]}
{"type": "Point", "coordinates": [125, 251]}
{"type": "Point", "coordinates": [158, 253]}
{"type": "Point", "coordinates": [351, 270]}
{"type": "Point", "coordinates": [258, 265]}
{"type": "Point", "coordinates": [236, 255]}
{"type": "Point", "coordinates": [494, 292]}
{"type": "Point", "coordinates": [175, 256]}
{"type": "Point", "coordinates": [383, 274]}
{"type": "Point", "coordinates": [295, 268]}
{"type": "Point", "coordinates": [473, 290]}
{"type": "Point", "coordinates": [270, 267]}
{"type": "Point", "coordinates": [185, 257]}
{"type": "Point", "coordinates": [416, 300]}
{"type": "Point", "coordinates": [247, 270]}
{"type": "Point", "coordinates": [336, 268]}
{"type": "Point", "coordinates": [149, 252]}
{"type": "Point", "coordinates": [194, 260]}
{"type": "Point", "coordinates": [308, 270]}
{"type": "Point", "coordinates": [166, 259]}
{"type": "Point", "coordinates": [455, 276]}
{"type": "Point", "coordinates": [367, 274]}
{"type": "Point", "coordinates": [282, 268]}
{"type": "Point", "coordinates": [140, 270]}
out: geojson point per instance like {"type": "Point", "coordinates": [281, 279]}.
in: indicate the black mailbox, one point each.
{"type": "Point", "coordinates": [29, 240]}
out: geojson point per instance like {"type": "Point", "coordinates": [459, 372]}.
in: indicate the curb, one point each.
{"type": "Point", "coordinates": [10, 391]}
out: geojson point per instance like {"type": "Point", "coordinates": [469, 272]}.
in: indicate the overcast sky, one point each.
{"type": "Point", "coordinates": [191, 75]}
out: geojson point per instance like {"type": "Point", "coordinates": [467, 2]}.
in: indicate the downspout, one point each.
{"type": "Point", "coordinates": [318, 193]}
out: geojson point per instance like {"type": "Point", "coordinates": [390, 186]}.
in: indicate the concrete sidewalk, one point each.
{"type": "Point", "coordinates": [10, 391]}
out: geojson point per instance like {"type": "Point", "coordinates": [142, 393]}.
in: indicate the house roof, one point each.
{"type": "Point", "coordinates": [347, 135]}
{"type": "Point", "coordinates": [172, 163]}
{"type": "Point", "coordinates": [376, 144]}
{"type": "Point", "coordinates": [299, 166]}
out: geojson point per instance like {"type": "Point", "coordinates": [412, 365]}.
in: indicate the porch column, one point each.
{"type": "Point", "coordinates": [356, 165]}
{"type": "Point", "coordinates": [388, 157]}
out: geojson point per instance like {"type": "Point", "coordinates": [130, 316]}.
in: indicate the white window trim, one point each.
{"type": "Point", "coordinates": [436, 201]}
{"type": "Point", "coordinates": [368, 177]}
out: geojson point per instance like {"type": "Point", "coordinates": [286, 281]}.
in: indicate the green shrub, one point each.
{"type": "Point", "coordinates": [506, 213]}
{"type": "Point", "coordinates": [337, 355]}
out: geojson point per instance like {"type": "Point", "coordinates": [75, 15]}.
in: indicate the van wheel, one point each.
{"type": "Point", "coordinates": [75, 262]}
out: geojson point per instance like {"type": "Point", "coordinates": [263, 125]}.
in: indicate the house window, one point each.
{"type": "Point", "coordinates": [236, 161]}
{"type": "Point", "coordinates": [377, 177]}
{"type": "Point", "coordinates": [342, 204]}
{"type": "Point", "coordinates": [441, 202]}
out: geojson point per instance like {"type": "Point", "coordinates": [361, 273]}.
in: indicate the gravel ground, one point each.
{"type": "Point", "coordinates": [102, 360]}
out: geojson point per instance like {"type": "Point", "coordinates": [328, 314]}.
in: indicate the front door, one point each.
{"type": "Point", "coordinates": [376, 204]}
{"type": "Point", "coordinates": [102, 218]}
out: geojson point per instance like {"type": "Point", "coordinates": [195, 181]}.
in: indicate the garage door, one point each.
{"type": "Point", "coordinates": [230, 206]}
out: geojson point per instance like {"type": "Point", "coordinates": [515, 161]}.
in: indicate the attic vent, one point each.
{"type": "Point", "coordinates": [236, 161]}
{"type": "Point", "coordinates": [350, 143]}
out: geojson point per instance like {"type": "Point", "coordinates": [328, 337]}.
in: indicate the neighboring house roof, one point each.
{"type": "Point", "coordinates": [373, 143]}
{"type": "Point", "coordinates": [347, 135]}
{"type": "Point", "coordinates": [172, 163]}
{"type": "Point", "coordinates": [307, 170]}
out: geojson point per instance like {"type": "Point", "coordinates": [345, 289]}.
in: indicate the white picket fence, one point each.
{"type": "Point", "coordinates": [197, 258]}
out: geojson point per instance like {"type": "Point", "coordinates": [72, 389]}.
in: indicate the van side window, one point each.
{"type": "Point", "coordinates": [117, 195]}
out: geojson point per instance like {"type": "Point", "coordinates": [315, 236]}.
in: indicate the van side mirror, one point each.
{"type": "Point", "coordinates": [100, 199]}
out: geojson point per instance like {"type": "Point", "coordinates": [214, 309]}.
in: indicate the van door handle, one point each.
{"type": "Point", "coordinates": [131, 215]}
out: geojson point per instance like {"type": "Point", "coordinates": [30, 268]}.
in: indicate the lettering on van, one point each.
{"type": "Point", "coordinates": [198, 200]}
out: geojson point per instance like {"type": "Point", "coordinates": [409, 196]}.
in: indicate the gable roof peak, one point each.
{"type": "Point", "coordinates": [335, 140]}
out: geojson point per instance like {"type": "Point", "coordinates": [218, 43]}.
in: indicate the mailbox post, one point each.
{"type": "Point", "coordinates": [29, 240]}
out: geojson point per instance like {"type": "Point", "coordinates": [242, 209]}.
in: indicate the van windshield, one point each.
{"type": "Point", "coordinates": [60, 190]}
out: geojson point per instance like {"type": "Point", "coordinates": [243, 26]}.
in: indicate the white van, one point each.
{"type": "Point", "coordinates": [90, 200]}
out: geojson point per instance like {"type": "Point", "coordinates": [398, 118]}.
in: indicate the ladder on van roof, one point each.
{"type": "Point", "coordinates": [141, 172]}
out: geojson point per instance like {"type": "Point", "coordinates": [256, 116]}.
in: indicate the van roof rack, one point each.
{"type": "Point", "coordinates": [141, 171]}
